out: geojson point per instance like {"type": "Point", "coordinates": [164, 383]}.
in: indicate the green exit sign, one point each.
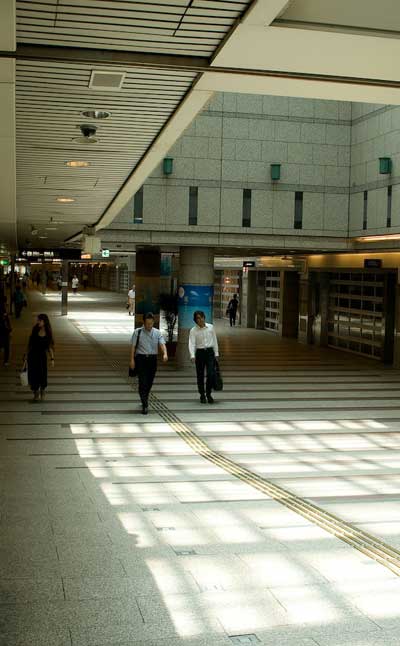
{"type": "Point", "coordinates": [4, 261]}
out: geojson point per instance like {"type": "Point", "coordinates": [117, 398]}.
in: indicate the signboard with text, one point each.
{"type": "Point", "coordinates": [372, 263]}
{"type": "Point", "coordinates": [43, 255]}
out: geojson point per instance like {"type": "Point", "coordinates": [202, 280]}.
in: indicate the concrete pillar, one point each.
{"type": "Point", "coordinates": [12, 284]}
{"type": "Point", "coordinates": [195, 291]}
{"type": "Point", "coordinates": [131, 270]}
{"type": "Point", "coordinates": [64, 288]}
{"type": "Point", "coordinates": [148, 262]}
{"type": "Point", "coordinates": [305, 309]}
{"type": "Point", "coordinates": [248, 299]}
{"type": "Point", "coordinates": [166, 273]}
{"type": "Point", "coordinates": [260, 301]}
{"type": "Point", "coordinates": [289, 304]}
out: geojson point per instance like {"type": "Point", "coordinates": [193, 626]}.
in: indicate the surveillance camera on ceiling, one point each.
{"type": "Point", "coordinates": [88, 130]}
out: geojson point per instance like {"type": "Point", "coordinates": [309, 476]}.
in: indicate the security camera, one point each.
{"type": "Point", "coordinates": [88, 130]}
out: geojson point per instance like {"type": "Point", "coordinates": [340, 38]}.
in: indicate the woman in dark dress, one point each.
{"type": "Point", "coordinates": [41, 342]}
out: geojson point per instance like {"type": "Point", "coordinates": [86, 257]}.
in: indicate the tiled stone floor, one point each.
{"type": "Point", "coordinates": [114, 532]}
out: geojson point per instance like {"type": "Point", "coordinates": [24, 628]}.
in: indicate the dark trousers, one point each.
{"type": "Point", "coordinates": [232, 317]}
{"type": "Point", "coordinates": [5, 344]}
{"type": "Point", "coordinates": [205, 360]}
{"type": "Point", "coordinates": [18, 310]}
{"type": "Point", "coordinates": [146, 369]}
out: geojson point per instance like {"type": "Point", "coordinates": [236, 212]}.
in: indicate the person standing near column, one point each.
{"type": "Point", "coordinates": [145, 343]}
{"type": "Point", "coordinates": [203, 349]}
{"type": "Point", "coordinates": [5, 330]}
{"type": "Point", "coordinates": [41, 343]}
{"type": "Point", "coordinates": [75, 283]}
{"type": "Point", "coordinates": [131, 301]}
{"type": "Point", "coordinates": [231, 310]}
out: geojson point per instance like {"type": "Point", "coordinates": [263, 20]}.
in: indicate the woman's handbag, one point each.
{"type": "Point", "coordinates": [132, 372]}
{"type": "Point", "coordinates": [23, 375]}
{"type": "Point", "coordinates": [218, 382]}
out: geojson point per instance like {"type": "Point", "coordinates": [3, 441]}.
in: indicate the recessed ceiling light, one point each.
{"type": "Point", "coordinates": [51, 228]}
{"type": "Point", "coordinates": [85, 140]}
{"type": "Point", "coordinates": [73, 163]}
{"type": "Point", "coordinates": [42, 237]}
{"type": "Point", "coordinates": [96, 114]}
{"type": "Point", "coordinates": [65, 200]}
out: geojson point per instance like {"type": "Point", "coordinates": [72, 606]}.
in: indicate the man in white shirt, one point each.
{"type": "Point", "coordinates": [75, 283]}
{"type": "Point", "coordinates": [145, 343]}
{"type": "Point", "coordinates": [203, 348]}
{"type": "Point", "coordinates": [131, 301]}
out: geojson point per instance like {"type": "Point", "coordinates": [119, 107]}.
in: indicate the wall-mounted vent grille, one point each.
{"type": "Point", "coordinates": [106, 80]}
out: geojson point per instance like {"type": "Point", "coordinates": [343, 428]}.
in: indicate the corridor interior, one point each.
{"type": "Point", "coordinates": [197, 525]}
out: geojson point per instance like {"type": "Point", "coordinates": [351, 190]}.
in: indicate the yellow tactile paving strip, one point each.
{"type": "Point", "coordinates": [360, 540]}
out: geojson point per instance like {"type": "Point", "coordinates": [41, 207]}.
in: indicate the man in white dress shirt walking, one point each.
{"type": "Point", "coordinates": [145, 343]}
{"type": "Point", "coordinates": [203, 348]}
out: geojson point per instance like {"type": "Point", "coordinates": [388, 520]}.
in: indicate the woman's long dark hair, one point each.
{"type": "Point", "coordinates": [47, 328]}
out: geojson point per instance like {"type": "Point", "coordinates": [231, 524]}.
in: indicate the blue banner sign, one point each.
{"type": "Point", "coordinates": [192, 298]}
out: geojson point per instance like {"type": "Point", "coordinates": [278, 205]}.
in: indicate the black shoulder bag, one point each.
{"type": "Point", "coordinates": [132, 372]}
{"type": "Point", "coordinates": [218, 381]}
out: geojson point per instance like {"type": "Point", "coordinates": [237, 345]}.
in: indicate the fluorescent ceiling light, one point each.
{"type": "Point", "coordinates": [65, 200]}
{"type": "Point", "coordinates": [77, 163]}
{"type": "Point", "coordinates": [389, 236]}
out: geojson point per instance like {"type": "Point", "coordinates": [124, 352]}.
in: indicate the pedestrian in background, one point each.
{"type": "Point", "coordinates": [146, 341]}
{"type": "Point", "coordinates": [131, 301]}
{"type": "Point", "coordinates": [75, 283]}
{"type": "Point", "coordinates": [41, 343]}
{"type": "Point", "coordinates": [5, 331]}
{"type": "Point", "coordinates": [203, 349]}
{"type": "Point", "coordinates": [85, 280]}
{"type": "Point", "coordinates": [19, 299]}
{"type": "Point", "coordinates": [231, 310]}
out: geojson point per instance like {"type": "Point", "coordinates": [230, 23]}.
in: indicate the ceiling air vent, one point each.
{"type": "Point", "coordinates": [106, 80]}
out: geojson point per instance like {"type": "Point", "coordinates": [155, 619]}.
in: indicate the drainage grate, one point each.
{"type": "Point", "coordinates": [185, 552]}
{"type": "Point", "coordinates": [150, 509]}
{"type": "Point", "coordinates": [244, 639]}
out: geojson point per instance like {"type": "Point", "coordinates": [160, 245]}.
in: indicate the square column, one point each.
{"type": "Point", "coordinates": [147, 281]}
{"type": "Point", "coordinates": [195, 292]}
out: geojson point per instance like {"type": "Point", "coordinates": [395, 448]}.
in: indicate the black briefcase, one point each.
{"type": "Point", "coordinates": [218, 382]}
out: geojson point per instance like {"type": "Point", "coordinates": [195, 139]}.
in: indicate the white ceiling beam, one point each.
{"type": "Point", "coordinates": [257, 47]}
{"type": "Point", "coordinates": [8, 211]}
{"type": "Point", "coordinates": [180, 120]}
{"type": "Point", "coordinates": [310, 89]}
{"type": "Point", "coordinates": [7, 25]}
{"type": "Point", "coordinates": [263, 12]}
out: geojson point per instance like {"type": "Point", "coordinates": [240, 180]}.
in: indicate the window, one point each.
{"type": "Point", "coordinates": [246, 209]}
{"type": "Point", "coordinates": [298, 210]}
{"type": "Point", "coordinates": [389, 207]}
{"type": "Point", "coordinates": [138, 207]}
{"type": "Point", "coordinates": [193, 204]}
{"type": "Point", "coordinates": [365, 211]}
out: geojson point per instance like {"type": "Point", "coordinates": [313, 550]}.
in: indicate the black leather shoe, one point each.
{"type": "Point", "coordinates": [203, 399]}
{"type": "Point", "coordinates": [210, 399]}
{"type": "Point", "coordinates": [145, 410]}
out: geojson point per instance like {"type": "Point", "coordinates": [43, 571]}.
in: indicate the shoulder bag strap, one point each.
{"type": "Point", "coordinates": [137, 340]}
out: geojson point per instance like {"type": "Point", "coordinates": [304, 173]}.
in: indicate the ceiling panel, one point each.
{"type": "Point", "coordinates": [50, 99]}
{"type": "Point", "coordinates": [190, 27]}
{"type": "Point", "coordinates": [365, 14]}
